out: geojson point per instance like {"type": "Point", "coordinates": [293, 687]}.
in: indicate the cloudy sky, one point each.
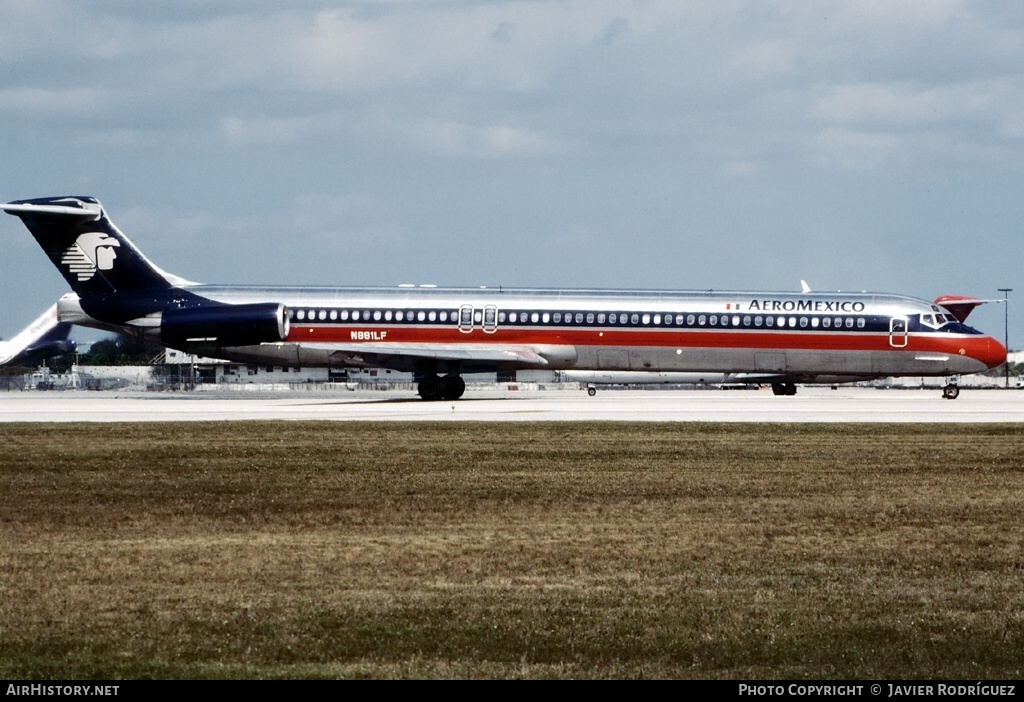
{"type": "Point", "coordinates": [868, 145]}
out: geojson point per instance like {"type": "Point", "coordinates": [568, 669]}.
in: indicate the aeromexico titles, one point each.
{"type": "Point", "coordinates": [440, 334]}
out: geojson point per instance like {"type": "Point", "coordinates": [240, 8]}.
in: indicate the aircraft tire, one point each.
{"type": "Point", "coordinates": [951, 392]}
{"type": "Point", "coordinates": [451, 387]}
{"type": "Point", "coordinates": [591, 391]}
{"type": "Point", "coordinates": [428, 387]}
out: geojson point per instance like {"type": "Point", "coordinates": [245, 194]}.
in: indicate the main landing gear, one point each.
{"type": "Point", "coordinates": [784, 388]}
{"type": "Point", "coordinates": [449, 387]}
{"type": "Point", "coordinates": [951, 392]}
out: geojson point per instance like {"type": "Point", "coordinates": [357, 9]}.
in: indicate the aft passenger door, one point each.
{"type": "Point", "coordinates": [898, 332]}
{"type": "Point", "coordinates": [490, 319]}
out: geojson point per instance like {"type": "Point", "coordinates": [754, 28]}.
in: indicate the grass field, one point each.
{"type": "Point", "coordinates": [319, 550]}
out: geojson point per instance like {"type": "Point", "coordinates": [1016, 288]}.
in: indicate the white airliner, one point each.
{"type": "Point", "coordinates": [439, 334]}
{"type": "Point", "coordinates": [43, 338]}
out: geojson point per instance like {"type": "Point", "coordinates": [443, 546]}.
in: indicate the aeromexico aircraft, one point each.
{"type": "Point", "coordinates": [439, 334]}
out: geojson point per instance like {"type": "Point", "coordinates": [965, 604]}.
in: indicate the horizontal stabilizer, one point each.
{"type": "Point", "coordinates": [960, 306]}
{"type": "Point", "coordinates": [80, 208]}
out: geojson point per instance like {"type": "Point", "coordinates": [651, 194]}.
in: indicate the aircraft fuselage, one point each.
{"type": "Point", "coordinates": [832, 335]}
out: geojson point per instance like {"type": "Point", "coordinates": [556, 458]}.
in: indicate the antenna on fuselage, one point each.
{"type": "Point", "coordinates": [804, 287]}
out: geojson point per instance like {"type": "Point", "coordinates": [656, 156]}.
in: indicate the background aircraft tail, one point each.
{"type": "Point", "coordinates": [94, 257]}
{"type": "Point", "coordinates": [43, 338]}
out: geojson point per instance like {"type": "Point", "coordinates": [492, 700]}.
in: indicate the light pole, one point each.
{"type": "Point", "coordinates": [1006, 329]}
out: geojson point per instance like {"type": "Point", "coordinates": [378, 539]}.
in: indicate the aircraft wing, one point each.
{"type": "Point", "coordinates": [372, 352]}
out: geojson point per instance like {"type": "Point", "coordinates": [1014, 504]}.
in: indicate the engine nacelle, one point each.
{"type": "Point", "coordinates": [225, 325]}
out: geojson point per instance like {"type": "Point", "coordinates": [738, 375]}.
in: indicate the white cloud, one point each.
{"type": "Point", "coordinates": [469, 141]}
{"type": "Point", "coordinates": [38, 101]}
{"type": "Point", "coordinates": [251, 132]}
{"type": "Point", "coordinates": [898, 16]}
{"type": "Point", "coordinates": [772, 57]}
{"type": "Point", "coordinates": [904, 105]}
{"type": "Point", "coordinates": [855, 150]}
{"type": "Point", "coordinates": [742, 169]}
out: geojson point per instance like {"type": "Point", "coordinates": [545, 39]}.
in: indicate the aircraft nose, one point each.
{"type": "Point", "coordinates": [991, 353]}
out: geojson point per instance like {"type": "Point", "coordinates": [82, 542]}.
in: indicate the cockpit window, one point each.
{"type": "Point", "coordinates": [936, 321]}
{"type": "Point", "coordinates": [947, 323]}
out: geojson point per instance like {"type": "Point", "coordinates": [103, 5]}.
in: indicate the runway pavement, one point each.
{"type": "Point", "coordinates": [811, 404]}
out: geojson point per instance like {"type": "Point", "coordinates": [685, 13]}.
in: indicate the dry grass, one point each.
{"type": "Point", "coordinates": [265, 549]}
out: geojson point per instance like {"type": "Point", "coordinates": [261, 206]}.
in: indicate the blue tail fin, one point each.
{"type": "Point", "coordinates": [85, 246]}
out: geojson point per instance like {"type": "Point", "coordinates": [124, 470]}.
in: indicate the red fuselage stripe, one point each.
{"type": "Point", "coordinates": [703, 338]}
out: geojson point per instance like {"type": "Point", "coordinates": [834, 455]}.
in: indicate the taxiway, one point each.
{"type": "Point", "coordinates": [810, 405]}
